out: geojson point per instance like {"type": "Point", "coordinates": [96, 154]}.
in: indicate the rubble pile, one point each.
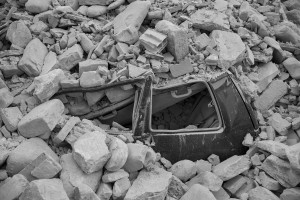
{"type": "Point", "coordinates": [52, 148]}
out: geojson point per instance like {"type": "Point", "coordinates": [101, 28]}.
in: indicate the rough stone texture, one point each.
{"type": "Point", "coordinates": [91, 79]}
{"type": "Point", "coordinates": [231, 47]}
{"type": "Point", "coordinates": [127, 23]}
{"type": "Point", "coordinates": [120, 188]}
{"type": "Point", "coordinates": [293, 66]}
{"type": "Point", "coordinates": [290, 194]}
{"type": "Point", "coordinates": [37, 6]}
{"type": "Point", "coordinates": [47, 169]}
{"type": "Point", "coordinates": [104, 191]}
{"type": "Point", "coordinates": [281, 171]}
{"type": "Point", "coordinates": [72, 176]}
{"type": "Point", "coordinates": [268, 182]}
{"type": "Point", "coordinates": [11, 117]}
{"type": "Point", "coordinates": [50, 63]}
{"type": "Point", "coordinates": [198, 192]}
{"type": "Point", "coordinates": [33, 57]}
{"type": "Point", "coordinates": [276, 148]}
{"type": "Point", "coordinates": [232, 167]}
{"type": "Point", "coordinates": [149, 184]}
{"type": "Point", "coordinates": [96, 10]}
{"type": "Point", "coordinates": [176, 188]}
{"type": "Point", "coordinates": [119, 154]}
{"type": "Point", "coordinates": [138, 156]}
{"type": "Point", "coordinates": [279, 124]}
{"type": "Point", "coordinates": [71, 57]}
{"type": "Point", "coordinates": [6, 97]}
{"type": "Point", "coordinates": [25, 153]}
{"type": "Point", "coordinates": [293, 154]}
{"type": "Point", "coordinates": [84, 192]}
{"type": "Point", "coordinates": [260, 193]}
{"type": "Point", "coordinates": [271, 95]}
{"type": "Point", "coordinates": [202, 166]}
{"type": "Point", "coordinates": [13, 188]}
{"type": "Point", "coordinates": [45, 189]}
{"type": "Point", "coordinates": [91, 152]}
{"type": "Point", "coordinates": [285, 33]}
{"type": "Point", "coordinates": [293, 16]}
{"type": "Point", "coordinates": [210, 20]}
{"type": "Point", "coordinates": [207, 179]}
{"type": "Point", "coordinates": [184, 170]}
{"type": "Point", "coordinates": [3, 156]}
{"type": "Point", "coordinates": [42, 119]}
{"type": "Point", "coordinates": [235, 184]}
{"type": "Point", "coordinates": [47, 85]}
{"type": "Point", "coordinates": [177, 38]}
{"type": "Point", "coordinates": [110, 177]}
{"type": "Point", "coordinates": [91, 65]}
{"type": "Point", "coordinates": [63, 133]}
{"type": "Point", "coordinates": [18, 34]}
{"type": "Point", "coordinates": [266, 73]}
{"type": "Point", "coordinates": [94, 2]}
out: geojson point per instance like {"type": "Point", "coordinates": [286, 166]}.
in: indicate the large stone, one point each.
{"type": "Point", "coordinates": [25, 153]}
{"type": "Point", "coordinates": [37, 6]}
{"type": "Point", "coordinates": [119, 154]}
{"type": "Point", "coordinates": [290, 194]}
{"type": "Point", "coordinates": [177, 38]}
{"type": "Point", "coordinates": [184, 170]}
{"type": "Point", "coordinates": [281, 171]}
{"type": "Point", "coordinates": [91, 152]}
{"type": "Point", "coordinates": [47, 85]}
{"type": "Point", "coordinates": [261, 193]}
{"type": "Point", "coordinates": [127, 23]}
{"type": "Point", "coordinates": [231, 48]}
{"type": "Point", "coordinates": [266, 73]}
{"type": "Point", "coordinates": [71, 57]}
{"type": "Point", "coordinates": [198, 192]}
{"type": "Point", "coordinates": [246, 12]}
{"type": "Point", "coordinates": [120, 188]}
{"type": "Point", "coordinates": [149, 184]}
{"type": "Point", "coordinates": [47, 169]}
{"type": "Point", "coordinates": [232, 167]}
{"type": "Point", "coordinates": [271, 95]}
{"type": "Point", "coordinates": [276, 148]}
{"type": "Point", "coordinates": [207, 179]}
{"type": "Point", "coordinates": [279, 124]}
{"type": "Point", "coordinates": [138, 156]}
{"type": "Point", "coordinates": [268, 182]}
{"type": "Point", "coordinates": [45, 189]}
{"type": "Point", "coordinates": [210, 20]}
{"type": "Point", "coordinates": [293, 154]}
{"type": "Point", "coordinates": [72, 176]}
{"type": "Point", "coordinates": [95, 2]}
{"type": "Point", "coordinates": [33, 57]}
{"type": "Point", "coordinates": [18, 34]}
{"type": "Point", "coordinates": [42, 119]}
{"type": "Point", "coordinates": [293, 66]}
{"type": "Point", "coordinates": [177, 188]}
{"type": "Point", "coordinates": [11, 117]}
{"type": "Point", "coordinates": [13, 188]}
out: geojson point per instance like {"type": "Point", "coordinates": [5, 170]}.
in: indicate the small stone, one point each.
{"type": "Point", "coordinates": [279, 124]}
{"type": "Point", "coordinates": [203, 166]}
{"type": "Point", "coordinates": [207, 179]}
{"type": "Point", "coordinates": [260, 193]}
{"type": "Point", "coordinates": [213, 159]}
{"type": "Point", "coordinates": [11, 117]}
{"type": "Point", "coordinates": [184, 170]}
{"type": "Point", "coordinates": [13, 188]}
{"type": "Point", "coordinates": [90, 152]}
{"type": "Point", "coordinates": [37, 6]}
{"type": "Point", "coordinates": [45, 189]}
{"type": "Point", "coordinates": [96, 11]}
{"type": "Point", "coordinates": [110, 177]}
{"type": "Point", "coordinates": [232, 167]}
{"type": "Point", "coordinates": [6, 98]}
{"type": "Point", "coordinates": [198, 192]}
{"type": "Point", "coordinates": [42, 119]}
{"type": "Point", "coordinates": [293, 155]}
{"type": "Point", "coordinates": [293, 67]}
{"type": "Point", "coordinates": [50, 63]}
{"type": "Point", "coordinates": [91, 79]}
{"type": "Point", "coordinates": [71, 57]}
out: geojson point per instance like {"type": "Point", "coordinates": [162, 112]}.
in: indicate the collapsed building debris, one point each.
{"type": "Point", "coordinates": [103, 99]}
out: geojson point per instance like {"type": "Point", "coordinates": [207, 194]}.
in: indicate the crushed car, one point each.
{"type": "Point", "coordinates": [181, 119]}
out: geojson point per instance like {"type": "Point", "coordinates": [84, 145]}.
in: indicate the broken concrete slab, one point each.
{"type": "Point", "coordinates": [127, 23]}
{"type": "Point", "coordinates": [93, 97]}
{"type": "Point", "coordinates": [119, 154]}
{"type": "Point", "coordinates": [232, 167]}
{"type": "Point", "coordinates": [184, 67]}
{"type": "Point", "coordinates": [18, 34]}
{"type": "Point", "coordinates": [177, 38]}
{"type": "Point", "coordinates": [271, 95]}
{"type": "Point", "coordinates": [184, 169]}
{"type": "Point", "coordinates": [45, 189]}
{"type": "Point", "coordinates": [231, 48]}
{"type": "Point", "coordinates": [279, 124]}
{"type": "Point", "coordinates": [153, 41]}
{"type": "Point", "coordinates": [48, 84]}
{"type": "Point", "coordinates": [91, 65]}
{"type": "Point", "coordinates": [6, 97]}
{"type": "Point", "coordinates": [91, 152]}
{"type": "Point", "coordinates": [268, 182]}
{"type": "Point", "coordinates": [25, 153]}
{"type": "Point", "coordinates": [198, 192]}
{"type": "Point", "coordinates": [47, 169]}
{"type": "Point", "coordinates": [207, 179]}
{"type": "Point", "coordinates": [72, 175]}
{"type": "Point", "coordinates": [11, 117]}
{"type": "Point", "coordinates": [281, 171]}
{"type": "Point", "coordinates": [63, 133]}
{"type": "Point", "coordinates": [261, 193]}
{"type": "Point", "coordinates": [149, 184]}
{"type": "Point", "coordinates": [70, 58]}
{"type": "Point", "coordinates": [293, 155]}
{"type": "Point", "coordinates": [91, 79]}
{"type": "Point", "coordinates": [33, 57]}
{"type": "Point", "coordinates": [266, 73]}
{"type": "Point", "coordinates": [50, 63]}
{"type": "Point", "coordinates": [42, 119]}
{"type": "Point", "coordinates": [85, 42]}
{"type": "Point", "coordinates": [210, 20]}
{"type": "Point", "coordinates": [13, 188]}
{"type": "Point", "coordinates": [276, 148]}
